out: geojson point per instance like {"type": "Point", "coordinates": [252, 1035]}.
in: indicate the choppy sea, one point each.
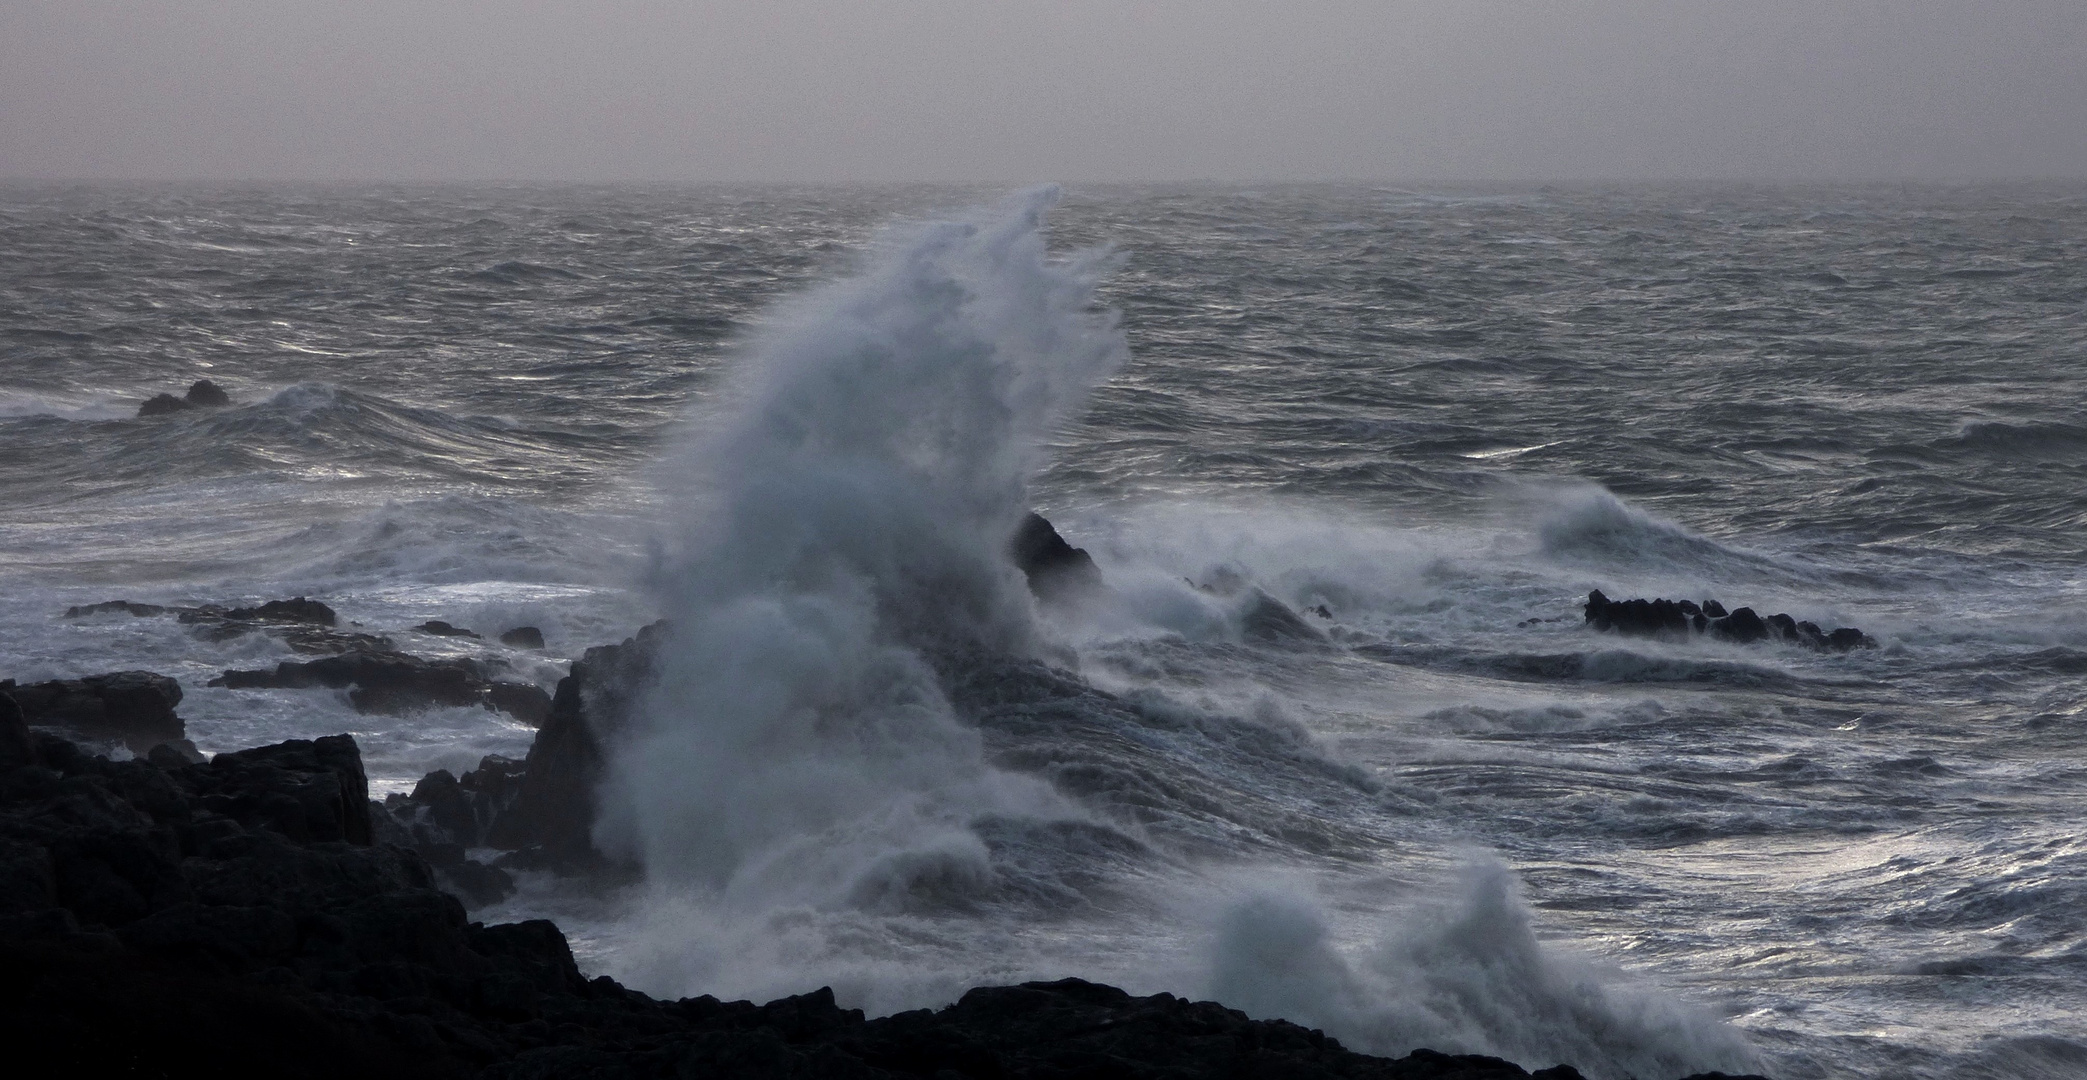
{"type": "Point", "coordinates": [799, 421]}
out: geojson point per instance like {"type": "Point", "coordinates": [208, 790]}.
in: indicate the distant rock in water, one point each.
{"type": "Point", "coordinates": [110, 606]}
{"type": "Point", "coordinates": [392, 683]}
{"type": "Point", "coordinates": [162, 404]}
{"type": "Point", "coordinates": [207, 394]}
{"type": "Point", "coordinates": [1057, 571]}
{"type": "Point", "coordinates": [296, 609]}
{"type": "Point", "coordinates": [442, 629]}
{"type": "Point", "coordinates": [1684, 618]}
{"type": "Point", "coordinates": [307, 626]}
{"type": "Point", "coordinates": [203, 395]}
{"type": "Point", "coordinates": [523, 637]}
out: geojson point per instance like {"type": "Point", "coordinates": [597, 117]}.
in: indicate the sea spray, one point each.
{"type": "Point", "coordinates": [1463, 974]}
{"type": "Point", "coordinates": [807, 802]}
{"type": "Point", "coordinates": [848, 504]}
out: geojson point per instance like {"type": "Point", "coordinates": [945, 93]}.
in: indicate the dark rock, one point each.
{"type": "Point", "coordinates": [1637, 618]}
{"type": "Point", "coordinates": [526, 702]}
{"type": "Point", "coordinates": [295, 610]}
{"type": "Point", "coordinates": [175, 755]}
{"type": "Point", "coordinates": [554, 807]}
{"type": "Point", "coordinates": [162, 404]}
{"type": "Point", "coordinates": [1848, 637]}
{"type": "Point", "coordinates": [523, 637]}
{"type": "Point", "coordinates": [16, 747]}
{"type": "Point", "coordinates": [1057, 571]}
{"type": "Point", "coordinates": [307, 626]}
{"type": "Point", "coordinates": [1742, 626]}
{"type": "Point", "coordinates": [135, 708]}
{"type": "Point", "coordinates": [207, 394]}
{"type": "Point", "coordinates": [306, 790]}
{"type": "Point", "coordinates": [1682, 618]}
{"type": "Point", "coordinates": [442, 629]}
{"type": "Point", "coordinates": [1269, 620]}
{"type": "Point", "coordinates": [203, 394]}
{"type": "Point", "coordinates": [444, 809]}
{"type": "Point", "coordinates": [144, 932]}
{"type": "Point", "coordinates": [475, 883]}
{"type": "Point", "coordinates": [138, 610]}
{"type": "Point", "coordinates": [377, 680]}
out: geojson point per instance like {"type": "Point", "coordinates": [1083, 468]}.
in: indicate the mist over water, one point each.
{"type": "Point", "coordinates": [1427, 422]}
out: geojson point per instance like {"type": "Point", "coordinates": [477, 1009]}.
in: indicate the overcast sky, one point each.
{"type": "Point", "coordinates": [1066, 90]}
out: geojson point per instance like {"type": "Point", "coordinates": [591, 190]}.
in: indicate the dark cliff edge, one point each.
{"type": "Point", "coordinates": [243, 917]}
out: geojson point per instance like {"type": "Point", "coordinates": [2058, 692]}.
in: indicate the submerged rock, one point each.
{"type": "Point", "coordinates": [203, 394]}
{"type": "Point", "coordinates": [1683, 618]}
{"type": "Point", "coordinates": [1268, 620]}
{"type": "Point", "coordinates": [162, 404]}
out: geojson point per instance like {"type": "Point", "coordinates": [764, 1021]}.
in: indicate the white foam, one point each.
{"type": "Point", "coordinates": [1465, 974]}
{"type": "Point", "coordinates": [848, 500]}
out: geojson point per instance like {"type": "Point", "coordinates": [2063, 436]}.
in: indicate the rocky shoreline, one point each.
{"type": "Point", "coordinates": [163, 917]}
{"type": "Point", "coordinates": [257, 914]}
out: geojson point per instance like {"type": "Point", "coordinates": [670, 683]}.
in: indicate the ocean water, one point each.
{"type": "Point", "coordinates": [799, 422]}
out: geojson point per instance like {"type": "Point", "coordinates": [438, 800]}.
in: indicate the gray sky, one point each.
{"type": "Point", "coordinates": [1070, 90]}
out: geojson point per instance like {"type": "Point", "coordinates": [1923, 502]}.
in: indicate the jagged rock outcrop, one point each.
{"type": "Point", "coordinates": [133, 708]}
{"type": "Point", "coordinates": [1682, 618]}
{"type": "Point", "coordinates": [233, 919]}
{"type": "Point", "coordinates": [553, 811]}
{"type": "Point", "coordinates": [1057, 571]}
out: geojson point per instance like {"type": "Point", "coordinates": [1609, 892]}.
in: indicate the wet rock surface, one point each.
{"type": "Point", "coordinates": [307, 626]}
{"type": "Point", "coordinates": [242, 917]}
{"type": "Point", "coordinates": [1679, 619]}
{"type": "Point", "coordinates": [202, 394]}
{"type": "Point", "coordinates": [386, 681]}
{"type": "Point", "coordinates": [133, 708]}
{"type": "Point", "coordinates": [378, 676]}
{"type": "Point", "coordinates": [1057, 571]}
{"type": "Point", "coordinates": [523, 637]}
{"type": "Point", "coordinates": [551, 816]}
